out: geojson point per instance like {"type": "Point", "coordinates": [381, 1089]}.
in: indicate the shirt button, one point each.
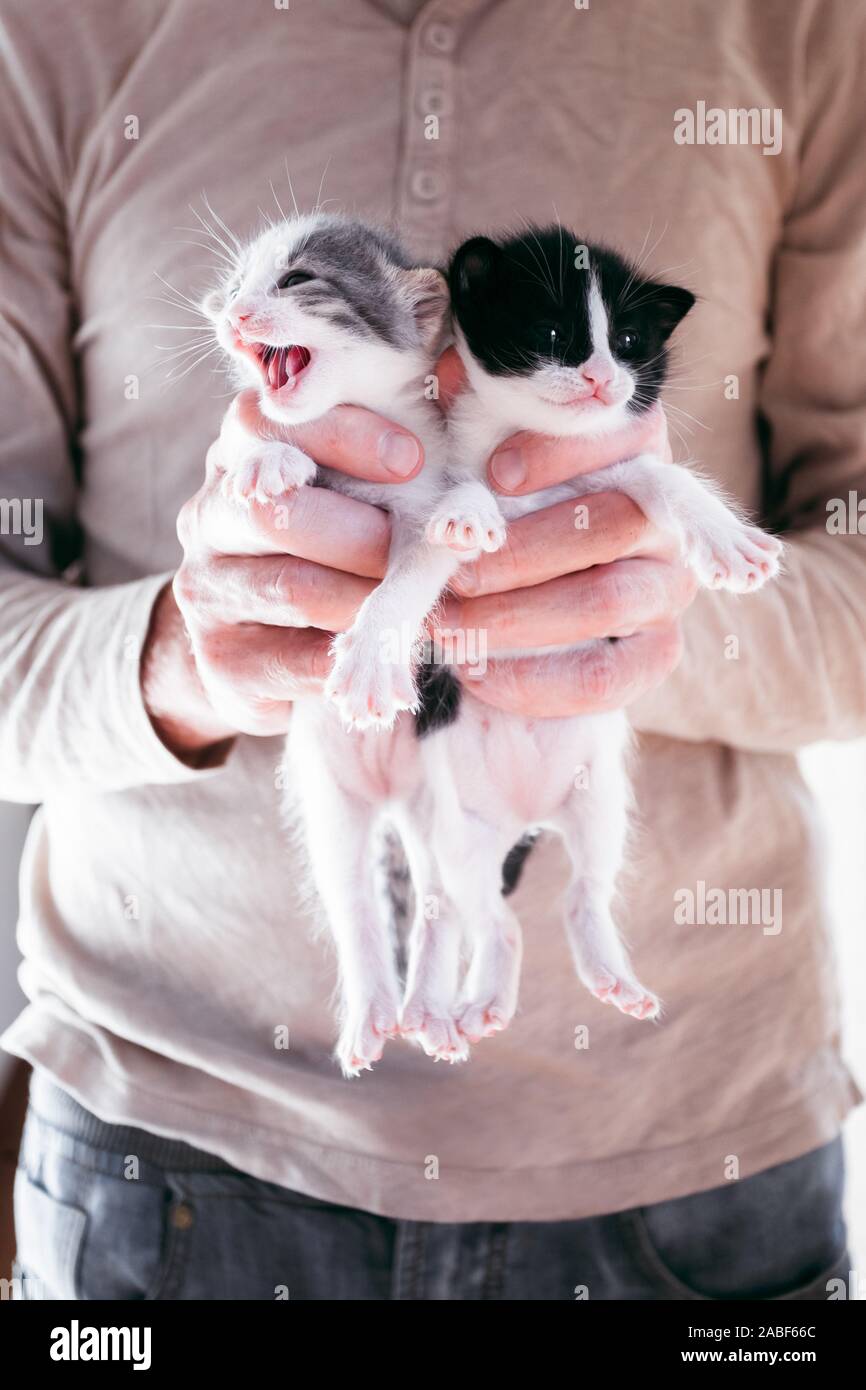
{"type": "Point", "coordinates": [427, 185]}
{"type": "Point", "coordinates": [433, 101]}
{"type": "Point", "coordinates": [440, 37]}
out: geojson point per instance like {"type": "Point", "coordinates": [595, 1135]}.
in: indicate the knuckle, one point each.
{"type": "Point", "coordinates": [277, 671]}
{"type": "Point", "coordinates": [604, 595]}
{"type": "Point", "coordinates": [496, 612]}
{"type": "Point", "coordinates": [511, 560]}
{"type": "Point", "coordinates": [599, 674]}
{"type": "Point", "coordinates": [211, 647]}
{"type": "Point", "coordinates": [281, 583]}
{"type": "Point", "coordinates": [186, 523]}
{"type": "Point", "coordinates": [192, 517]}
{"type": "Point", "coordinates": [627, 594]}
{"type": "Point", "coordinates": [632, 524]}
{"type": "Point", "coordinates": [281, 516]}
{"type": "Point", "coordinates": [186, 587]}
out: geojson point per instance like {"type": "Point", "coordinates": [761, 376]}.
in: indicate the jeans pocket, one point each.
{"type": "Point", "coordinates": [669, 1283]}
{"type": "Point", "coordinates": [778, 1234]}
{"type": "Point", "coordinates": [91, 1226]}
{"type": "Point", "coordinates": [50, 1238]}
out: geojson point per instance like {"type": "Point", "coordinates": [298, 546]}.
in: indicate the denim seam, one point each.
{"type": "Point", "coordinates": [166, 1284]}
{"type": "Point", "coordinates": [409, 1260]}
{"type": "Point", "coordinates": [494, 1278]}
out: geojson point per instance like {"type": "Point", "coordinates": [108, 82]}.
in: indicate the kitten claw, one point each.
{"type": "Point", "coordinates": [739, 559]}
{"type": "Point", "coordinates": [363, 1037]}
{"type": "Point", "coordinates": [435, 1031]}
{"type": "Point", "coordinates": [267, 473]}
{"type": "Point", "coordinates": [369, 692]}
{"type": "Point", "coordinates": [625, 993]}
{"type": "Point", "coordinates": [483, 1021]}
{"type": "Point", "coordinates": [481, 530]}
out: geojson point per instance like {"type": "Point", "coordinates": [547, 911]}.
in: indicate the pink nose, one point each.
{"type": "Point", "coordinates": [237, 317]}
{"type": "Point", "coordinates": [597, 374]}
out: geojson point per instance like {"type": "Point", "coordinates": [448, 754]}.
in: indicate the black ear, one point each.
{"type": "Point", "coordinates": [474, 268]}
{"type": "Point", "coordinates": [669, 304]}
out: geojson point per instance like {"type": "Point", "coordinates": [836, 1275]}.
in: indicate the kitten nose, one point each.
{"type": "Point", "coordinates": [238, 317]}
{"type": "Point", "coordinates": [597, 373]}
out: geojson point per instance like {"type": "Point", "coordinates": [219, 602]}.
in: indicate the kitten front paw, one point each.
{"type": "Point", "coordinates": [738, 558]}
{"type": "Point", "coordinates": [363, 1036]}
{"type": "Point", "coordinates": [479, 527]}
{"type": "Point", "coordinates": [267, 472]}
{"type": "Point", "coordinates": [368, 691]}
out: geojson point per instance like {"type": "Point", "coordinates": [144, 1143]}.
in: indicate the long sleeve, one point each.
{"type": "Point", "coordinates": [787, 667]}
{"type": "Point", "coordinates": [71, 709]}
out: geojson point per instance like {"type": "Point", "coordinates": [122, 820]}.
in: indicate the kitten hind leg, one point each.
{"type": "Point", "coordinates": [471, 854]}
{"type": "Point", "coordinates": [337, 828]}
{"type": "Point", "coordinates": [428, 1015]}
{"type": "Point", "coordinates": [594, 825]}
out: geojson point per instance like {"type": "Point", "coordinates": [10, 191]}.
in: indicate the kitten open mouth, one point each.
{"type": "Point", "coordinates": [280, 366]}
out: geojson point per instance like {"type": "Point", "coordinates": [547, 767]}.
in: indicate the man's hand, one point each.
{"type": "Point", "coordinates": [554, 583]}
{"type": "Point", "coordinates": [224, 655]}
{"type": "Point", "coordinates": [247, 623]}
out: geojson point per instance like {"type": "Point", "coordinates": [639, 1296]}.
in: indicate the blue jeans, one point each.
{"type": "Point", "coordinates": [108, 1212]}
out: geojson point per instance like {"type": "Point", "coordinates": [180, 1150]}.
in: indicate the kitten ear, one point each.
{"type": "Point", "coordinates": [427, 291]}
{"type": "Point", "coordinates": [474, 267]}
{"type": "Point", "coordinates": [670, 304]}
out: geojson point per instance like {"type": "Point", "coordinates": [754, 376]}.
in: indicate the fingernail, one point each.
{"type": "Point", "coordinates": [399, 453]}
{"type": "Point", "coordinates": [508, 469]}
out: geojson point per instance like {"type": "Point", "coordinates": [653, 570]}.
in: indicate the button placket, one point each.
{"type": "Point", "coordinates": [425, 182]}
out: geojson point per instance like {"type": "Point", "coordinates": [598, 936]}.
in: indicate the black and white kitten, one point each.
{"type": "Point", "coordinates": [563, 339]}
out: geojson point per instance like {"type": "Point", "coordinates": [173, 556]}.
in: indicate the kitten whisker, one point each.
{"type": "Point", "coordinates": [187, 304]}
{"type": "Point", "coordinates": [277, 201]}
{"type": "Point", "coordinates": [231, 247]}
{"type": "Point", "coordinates": [220, 223]}
{"type": "Point", "coordinates": [173, 380]}
{"type": "Point", "coordinates": [638, 264]}
{"type": "Point", "coordinates": [203, 246]}
{"type": "Point", "coordinates": [291, 189]}
{"type": "Point", "coordinates": [318, 206]}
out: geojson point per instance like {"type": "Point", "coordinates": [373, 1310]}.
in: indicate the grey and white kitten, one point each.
{"type": "Point", "coordinates": [321, 311]}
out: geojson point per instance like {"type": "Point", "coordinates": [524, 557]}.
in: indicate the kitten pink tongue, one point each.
{"type": "Point", "coordinates": [277, 375]}
{"type": "Point", "coordinates": [285, 364]}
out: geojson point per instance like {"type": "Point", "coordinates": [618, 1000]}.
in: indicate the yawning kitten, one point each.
{"type": "Point", "coordinates": [563, 339]}
{"type": "Point", "coordinates": [322, 311]}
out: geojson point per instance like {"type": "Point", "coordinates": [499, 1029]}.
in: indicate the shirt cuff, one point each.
{"type": "Point", "coordinates": [157, 764]}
